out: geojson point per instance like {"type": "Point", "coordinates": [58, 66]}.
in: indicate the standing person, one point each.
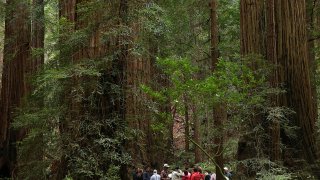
{"type": "Point", "coordinates": [139, 174]}
{"type": "Point", "coordinates": [177, 174]}
{"type": "Point", "coordinates": [165, 172]}
{"type": "Point", "coordinates": [147, 173]}
{"type": "Point", "coordinates": [191, 172]}
{"type": "Point", "coordinates": [155, 175]}
{"type": "Point", "coordinates": [134, 173]}
{"type": "Point", "coordinates": [196, 175]}
{"type": "Point", "coordinates": [207, 175]}
{"type": "Point", "coordinates": [186, 175]}
{"type": "Point", "coordinates": [213, 176]}
{"type": "Point", "coordinates": [227, 173]}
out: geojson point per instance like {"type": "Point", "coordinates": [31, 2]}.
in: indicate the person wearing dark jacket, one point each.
{"type": "Point", "coordinates": [147, 173]}
{"type": "Point", "coordinates": [227, 173]}
{"type": "Point", "coordinates": [139, 175]}
{"type": "Point", "coordinates": [207, 176]}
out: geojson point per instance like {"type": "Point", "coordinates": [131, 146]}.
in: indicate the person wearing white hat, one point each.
{"type": "Point", "coordinates": [177, 174]}
{"type": "Point", "coordinates": [227, 173]}
{"type": "Point", "coordinates": [165, 173]}
{"type": "Point", "coordinates": [155, 175]}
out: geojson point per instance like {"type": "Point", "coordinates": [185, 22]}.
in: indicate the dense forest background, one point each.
{"type": "Point", "coordinates": [91, 89]}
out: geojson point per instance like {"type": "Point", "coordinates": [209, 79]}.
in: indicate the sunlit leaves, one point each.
{"type": "Point", "coordinates": [233, 83]}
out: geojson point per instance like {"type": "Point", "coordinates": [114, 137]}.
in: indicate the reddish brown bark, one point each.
{"type": "Point", "coordinates": [15, 68]}
{"type": "Point", "coordinates": [138, 72]}
{"type": "Point", "coordinates": [1, 65]}
{"type": "Point", "coordinates": [37, 34]}
{"type": "Point", "coordinates": [252, 46]}
{"type": "Point", "coordinates": [271, 55]}
{"type": "Point", "coordinates": [67, 9]}
{"type": "Point", "coordinates": [294, 74]}
{"type": "Point", "coordinates": [251, 27]}
{"type": "Point", "coordinates": [108, 104]}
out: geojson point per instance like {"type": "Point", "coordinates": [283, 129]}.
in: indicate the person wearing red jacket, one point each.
{"type": "Point", "coordinates": [186, 175]}
{"type": "Point", "coordinates": [196, 175]}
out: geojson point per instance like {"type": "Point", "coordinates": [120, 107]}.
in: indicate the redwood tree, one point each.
{"type": "Point", "coordinates": [252, 46]}
{"type": "Point", "coordinates": [14, 79]}
{"type": "Point", "coordinates": [294, 74]}
{"type": "Point", "coordinates": [219, 111]}
{"type": "Point", "coordinates": [271, 56]}
{"type": "Point", "coordinates": [37, 34]}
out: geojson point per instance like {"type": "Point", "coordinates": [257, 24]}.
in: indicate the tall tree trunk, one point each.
{"type": "Point", "coordinates": [1, 53]}
{"type": "Point", "coordinates": [271, 55]}
{"type": "Point", "coordinates": [1, 65]}
{"type": "Point", "coordinates": [219, 111]}
{"type": "Point", "coordinates": [121, 77]}
{"type": "Point", "coordinates": [16, 56]}
{"type": "Point", "coordinates": [34, 63]}
{"type": "Point", "coordinates": [37, 34]}
{"type": "Point", "coordinates": [292, 56]}
{"type": "Point", "coordinates": [252, 46]}
{"type": "Point", "coordinates": [251, 27]}
{"type": "Point", "coordinates": [138, 71]}
{"type": "Point", "coordinates": [109, 104]}
{"type": "Point", "coordinates": [67, 10]}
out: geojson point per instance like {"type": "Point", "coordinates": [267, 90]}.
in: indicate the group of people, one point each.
{"type": "Point", "coordinates": [195, 173]}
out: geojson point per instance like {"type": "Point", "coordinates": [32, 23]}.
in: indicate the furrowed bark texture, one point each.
{"type": "Point", "coordinates": [138, 72]}
{"type": "Point", "coordinates": [252, 46]}
{"type": "Point", "coordinates": [34, 64]}
{"type": "Point", "coordinates": [37, 34]}
{"type": "Point", "coordinates": [107, 105]}
{"type": "Point", "coordinates": [271, 56]}
{"type": "Point", "coordinates": [14, 88]}
{"type": "Point", "coordinates": [294, 68]}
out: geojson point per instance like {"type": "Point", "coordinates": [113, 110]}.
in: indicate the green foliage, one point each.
{"type": "Point", "coordinates": [74, 116]}
{"type": "Point", "coordinates": [233, 84]}
{"type": "Point", "coordinates": [154, 21]}
{"type": "Point", "coordinates": [113, 173]}
{"type": "Point", "coordinates": [229, 28]}
{"type": "Point", "coordinates": [154, 94]}
{"type": "Point", "coordinates": [95, 155]}
{"type": "Point", "coordinates": [279, 173]}
{"type": "Point", "coordinates": [73, 124]}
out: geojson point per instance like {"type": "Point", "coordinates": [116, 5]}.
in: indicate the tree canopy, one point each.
{"type": "Point", "coordinates": [100, 89]}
